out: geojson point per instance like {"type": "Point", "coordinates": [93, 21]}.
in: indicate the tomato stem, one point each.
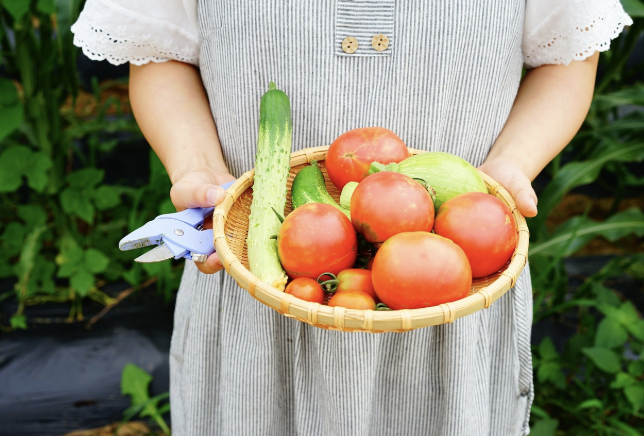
{"type": "Point", "coordinates": [329, 286]}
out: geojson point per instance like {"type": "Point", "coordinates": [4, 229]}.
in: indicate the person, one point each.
{"type": "Point", "coordinates": [446, 76]}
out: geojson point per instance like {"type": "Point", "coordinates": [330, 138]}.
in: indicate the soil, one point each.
{"type": "Point", "coordinates": [116, 429]}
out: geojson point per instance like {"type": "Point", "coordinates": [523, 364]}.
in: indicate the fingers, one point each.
{"type": "Point", "coordinates": [211, 265]}
{"type": "Point", "coordinates": [187, 194]}
{"type": "Point", "coordinates": [526, 202]}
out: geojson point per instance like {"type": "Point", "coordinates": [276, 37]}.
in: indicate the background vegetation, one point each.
{"type": "Point", "coordinates": [62, 213]}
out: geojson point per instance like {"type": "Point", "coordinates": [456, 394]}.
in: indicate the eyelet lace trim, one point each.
{"type": "Point", "coordinates": [101, 39]}
{"type": "Point", "coordinates": [589, 28]}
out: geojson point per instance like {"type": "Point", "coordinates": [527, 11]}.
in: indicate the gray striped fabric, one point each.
{"type": "Point", "coordinates": [447, 83]}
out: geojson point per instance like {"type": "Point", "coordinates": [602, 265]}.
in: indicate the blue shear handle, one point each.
{"type": "Point", "coordinates": [195, 216]}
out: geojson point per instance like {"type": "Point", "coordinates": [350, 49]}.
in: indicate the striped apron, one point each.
{"type": "Point", "coordinates": [444, 78]}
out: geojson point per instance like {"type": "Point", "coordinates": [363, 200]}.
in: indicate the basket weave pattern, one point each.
{"type": "Point", "coordinates": [230, 222]}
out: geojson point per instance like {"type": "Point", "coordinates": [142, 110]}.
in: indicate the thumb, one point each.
{"type": "Point", "coordinates": [526, 200]}
{"type": "Point", "coordinates": [188, 194]}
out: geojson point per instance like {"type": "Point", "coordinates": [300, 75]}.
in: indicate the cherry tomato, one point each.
{"type": "Point", "coordinates": [350, 155]}
{"type": "Point", "coordinates": [306, 289]}
{"type": "Point", "coordinates": [353, 280]}
{"type": "Point", "coordinates": [482, 226]}
{"type": "Point", "coordinates": [387, 203]}
{"type": "Point", "coordinates": [316, 238]}
{"type": "Point", "coordinates": [353, 300]}
{"type": "Point", "coordinates": [419, 269]}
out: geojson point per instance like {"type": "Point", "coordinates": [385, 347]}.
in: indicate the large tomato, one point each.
{"type": "Point", "coordinates": [387, 203]}
{"type": "Point", "coordinates": [316, 238]}
{"type": "Point", "coordinates": [482, 226]}
{"type": "Point", "coordinates": [350, 155]}
{"type": "Point", "coordinates": [419, 269]}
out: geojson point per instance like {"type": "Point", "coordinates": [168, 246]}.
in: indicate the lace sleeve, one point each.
{"type": "Point", "coordinates": [119, 33]}
{"type": "Point", "coordinates": [558, 32]}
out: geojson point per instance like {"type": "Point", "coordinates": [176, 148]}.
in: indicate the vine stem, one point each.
{"type": "Point", "coordinates": [122, 296]}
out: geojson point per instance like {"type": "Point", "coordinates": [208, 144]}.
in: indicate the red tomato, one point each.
{"type": "Point", "coordinates": [350, 155]}
{"type": "Point", "coordinates": [419, 269]}
{"type": "Point", "coordinates": [369, 264]}
{"type": "Point", "coordinates": [306, 289]}
{"type": "Point", "coordinates": [353, 300]}
{"type": "Point", "coordinates": [355, 280]}
{"type": "Point", "coordinates": [387, 203]}
{"type": "Point", "coordinates": [482, 226]}
{"type": "Point", "coordinates": [316, 238]}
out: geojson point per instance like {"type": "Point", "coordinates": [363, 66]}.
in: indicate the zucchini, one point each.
{"type": "Point", "coordinates": [308, 187]}
{"type": "Point", "coordinates": [269, 188]}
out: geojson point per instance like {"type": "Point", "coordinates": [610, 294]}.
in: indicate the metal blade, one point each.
{"type": "Point", "coordinates": [157, 254]}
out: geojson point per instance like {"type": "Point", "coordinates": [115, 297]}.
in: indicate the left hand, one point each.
{"type": "Point", "coordinates": [513, 178]}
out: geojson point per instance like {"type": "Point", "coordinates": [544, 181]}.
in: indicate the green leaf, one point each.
{"type": "Point", "coordinates": [12, 164]}
{"type": "Point", "coordinates": [551, 371]}
{"type": "Point", "coordinates": [106, 197]}
{"type": "Point", "coordinates": [17, 8]}
{"type": "Point", "coordinates": [576, 174]}
{"type": "Point", "coordinates": [605, 296]}
{"type": "Point", "coordinates": [610, 334]}
{"type": "Point", "coordinates": [622, 380]}
{"type": "Point", "coordinates": [47, 7]}
{"type": "Point", "coordinates": [636, 328]}
{"type": "Point", "coordinates": [633, 95]}
{"type": "Point", "coordinates": [8, 93]}
{"type": "Point", "coordinates": [75, 202]}
{"type": "Point", "coordinates": [582, 230]}
{"type": "Point", "coordinates": [82, 282]}
{"type": "Point", "coordinates": [95, 261]}
{"type": "Point", "coordinates": [39, 165]}
{"type": "Point", "coordinates": [18, 322]}
{"type": "Point", "coordinates": [636, 368]}
{"type": "Point", "coordinates": [32, 215]}
{"type": "Point", "coordinates": [544, 427]}
{"type": "Point", "coordinates": [635, 396]}
{"type": "Point", "coordinates": [134, 382]}
{"type": "Point", "coordinates": [634, 8]}
{"type": "Point", "coordinates": [13, 238]}
{"type": "Point", "coordinates": [11, 117]}
{"type": "Point", "coordinates": [66, 270]}
{"type": "Point", "coordinates": [547, 350]}
{"type": "Point", "coordinates": [604, 359]}
{"type": "Point", "coordinates": [86, 178]}
{"type": "Point", "coordinates": [589, 404]}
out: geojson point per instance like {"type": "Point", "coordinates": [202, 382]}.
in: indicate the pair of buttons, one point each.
{"type": "Point", "coordinates": [379, 42]}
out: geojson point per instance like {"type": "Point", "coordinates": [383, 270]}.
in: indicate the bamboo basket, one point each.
{"type": "Point", "coordinates": [230, 222]}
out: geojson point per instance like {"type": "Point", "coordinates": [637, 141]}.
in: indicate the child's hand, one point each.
{"type": "Point", "coordinates": [512, 177]}
{"type": "Point", "coordinates": [201, 189]}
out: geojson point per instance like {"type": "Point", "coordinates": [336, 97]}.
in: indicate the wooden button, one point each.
{"type": "Point", "coordinates": [380, 42]}
{"type": "Point", "coordinates": [349, 44]}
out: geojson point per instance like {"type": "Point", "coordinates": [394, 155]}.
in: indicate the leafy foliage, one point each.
{"type": "Point", "coordinates": [60, 223]}
{"type": "Point", "coordinates": [595, 385]}
{"type": "Point", "coordinates": [135, 382]}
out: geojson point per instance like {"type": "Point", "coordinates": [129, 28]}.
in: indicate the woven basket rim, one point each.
{"type": "Point", "coordinates": [339, 318]}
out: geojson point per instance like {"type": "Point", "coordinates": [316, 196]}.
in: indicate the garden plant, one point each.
{"type": "Point", "coordinates": [62, 214]}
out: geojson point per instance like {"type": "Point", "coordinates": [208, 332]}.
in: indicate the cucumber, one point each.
{"type": "Point", "coordinates": [269, 188]}
{"type": "Point", "coordinates": [308, 187]}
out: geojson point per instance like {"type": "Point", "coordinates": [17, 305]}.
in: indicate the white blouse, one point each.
{"type": "Point", "coordinates": [554, 31]}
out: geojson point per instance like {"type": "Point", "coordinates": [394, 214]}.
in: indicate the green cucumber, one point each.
{"type": "Point", "coordinates": [308, 187]}
{"type": "Point", "coordinates": [269, 187]}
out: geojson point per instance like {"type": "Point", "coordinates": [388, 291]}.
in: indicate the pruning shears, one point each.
{"type": "Point", "coordinates": [177, 235]}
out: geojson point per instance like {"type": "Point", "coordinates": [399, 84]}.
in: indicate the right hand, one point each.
{"type": "Point", "coordinates": [201, 189]}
